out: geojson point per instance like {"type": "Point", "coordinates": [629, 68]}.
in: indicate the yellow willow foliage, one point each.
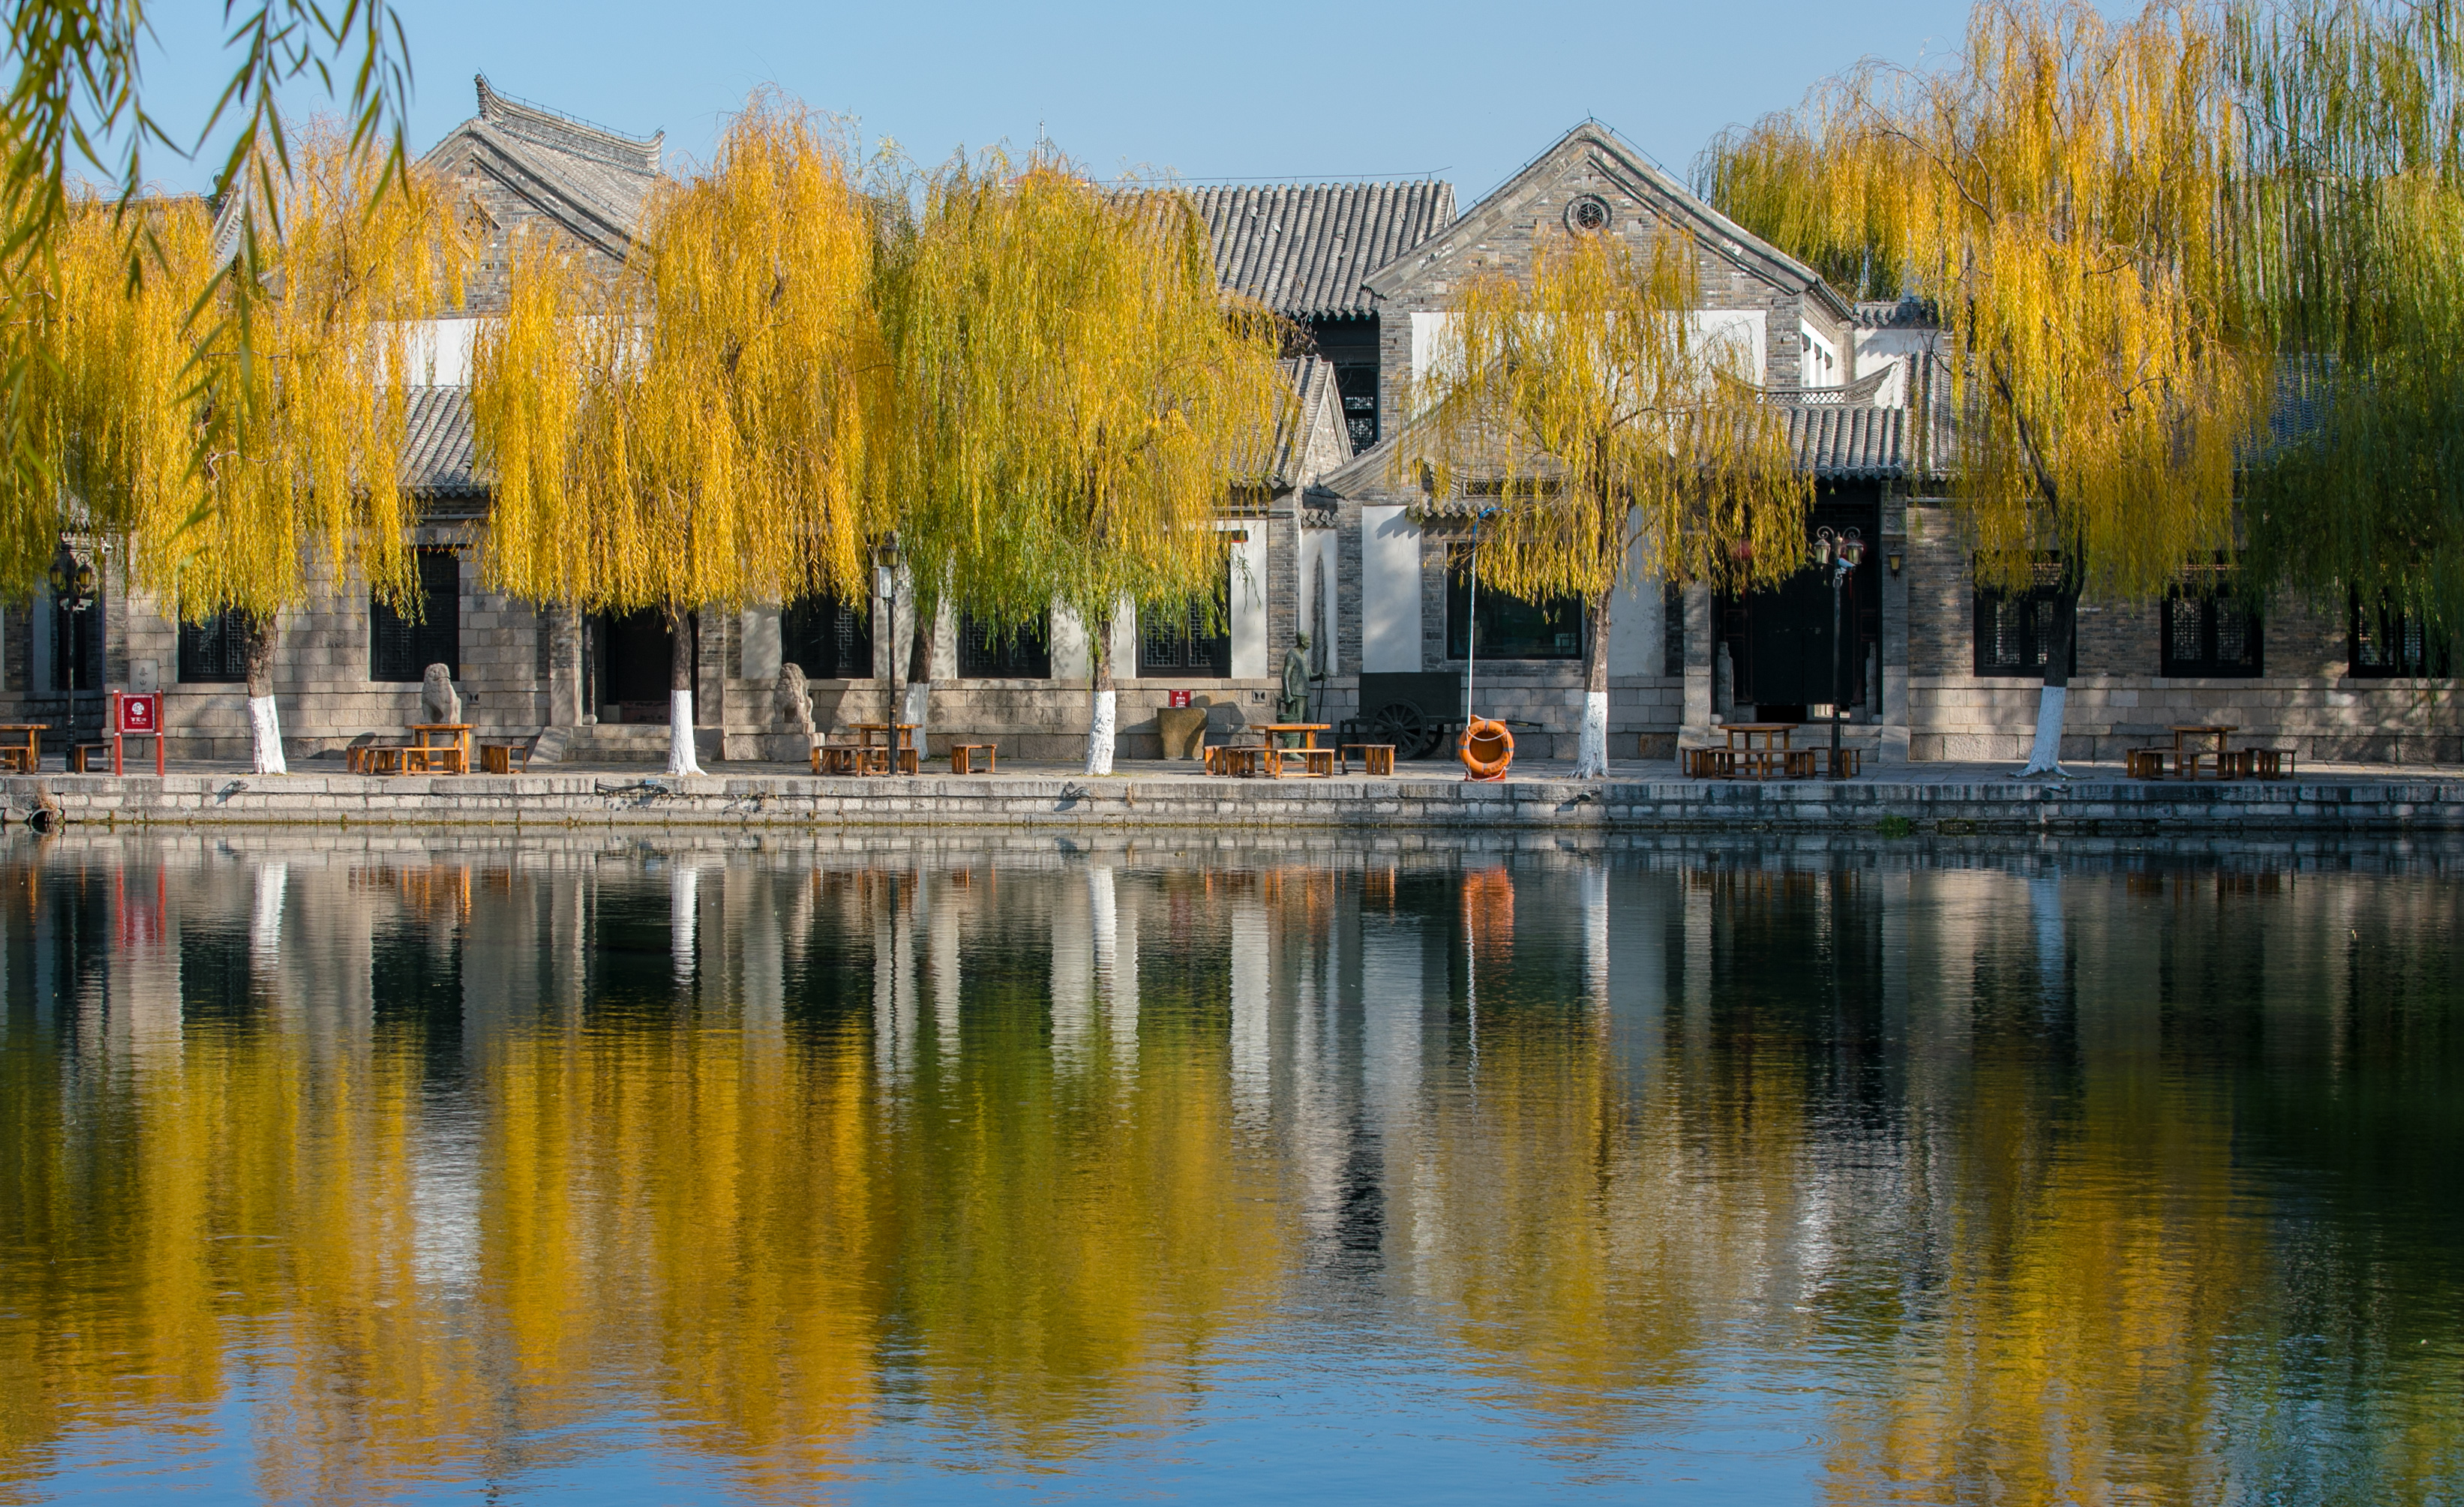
{"type": "Point", "coordinates": [236, 467]}
{"type": "Point", "coordinates": [696, 428]}
{"type": "Point", "coordinates": [1599, 412]}
{"type": "Point", "coordinates": [1077, 397]}
{"type": "Point", "coordinates": [2059, 192]}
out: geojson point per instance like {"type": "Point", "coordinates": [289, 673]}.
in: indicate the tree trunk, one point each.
{"type": "Point", "coordinates": [1101, 712]}
{"type": "Point", "coordinates": [2045, 756]}
{"type": "Point", "coordinates": [1592, 748]}
{"type": "Point", "coordinates": [680, 695]}
{"type": "Point", "coordinates": [264, 724]}
{"type": "Point", "coordinates": [919, 668]}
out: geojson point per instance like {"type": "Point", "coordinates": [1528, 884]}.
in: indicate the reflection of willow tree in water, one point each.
{"type": "Point", "coordinates": [1991, 1163]}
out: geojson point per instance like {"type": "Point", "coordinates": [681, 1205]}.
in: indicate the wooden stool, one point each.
{"type": "Point", "coordinates": [1710, 764]}
{"type": "Point", "coordinates": [1846, 763]}
{"type": "Point", "coordinates": [82, 757]}
{"type": "Point", "coordinates": [1316, 762]}
{"type": "Point", "coordinates": [1798, 762]}
{"type": "Point", "coordinates": [496, 758]}
{"type": "Point", "coordinates": [2269, 764]}
{"type": "Point", "coordinates": [383, 759]}
{"type": "Point", "coordinates": [963, 757]}
{"type": "Point", "coordinates": [2143, 763]}
{"type": "Point", "coordinates": [1376, 758]}
{"type": "Point", "coordinates": [911, 760]}
{"type": "Point", "coordinates": [836, 759]}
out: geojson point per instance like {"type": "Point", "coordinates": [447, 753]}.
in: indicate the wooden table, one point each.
{"type": "Point", "coordinates": [1312, 760]}
{"type": "Point", "coordinates": [447, 743]}
{"type": "Point", "coordinates": [2193, 746]}
{"type": "Point", "coordinates": [23, 751]}
{"type": "Point", "coordinates": [904, 756]}
{"type": "Point", "coordinates": [1772, 758]}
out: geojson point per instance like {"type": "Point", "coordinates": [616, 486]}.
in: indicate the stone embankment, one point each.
{"type": "Point", "coordinates": [608, 799]}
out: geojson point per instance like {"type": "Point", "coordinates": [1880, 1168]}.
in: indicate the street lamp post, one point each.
{"type": "Point", "coordinates": [1842, 551]}
{"type": "Point", "coordinates": [885, 560]}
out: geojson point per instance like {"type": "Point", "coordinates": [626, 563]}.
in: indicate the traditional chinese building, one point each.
{"type": "Point", "coordinates": [1335, 542]}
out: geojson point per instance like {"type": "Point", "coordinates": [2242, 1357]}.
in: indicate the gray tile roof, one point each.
{"type": "Point", "coordinates": [1304, 249]}
{"type": "Point", "coordinates": [594, 182]}
{"type": "Point", "coordinates": [437, 456]}
{"type": "Point", "coordinates": [1850, 443]}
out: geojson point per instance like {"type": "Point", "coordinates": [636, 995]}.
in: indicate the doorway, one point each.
{"type": "Point", "coordinates": [1780, 641]}
{"type": "Point", "coordinates": [631, 654]}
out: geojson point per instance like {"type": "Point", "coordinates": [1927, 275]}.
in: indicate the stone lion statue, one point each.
{"type": "Point", "coordinates": [793, 697]}
{"type": "Point", "coordinates": [437, 700]}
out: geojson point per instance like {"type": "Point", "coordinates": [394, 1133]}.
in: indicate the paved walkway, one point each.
{"type": "Point", "coordinates": [1657, 772]}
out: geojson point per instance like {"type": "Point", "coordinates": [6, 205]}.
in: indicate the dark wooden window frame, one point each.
{"type": "Point", "coordinates": [829, 638]}
{"type": "Point", "coordinates": [400, 651]}
{"type": "Point", "coordinates": [2010, 628]}
{"type": "Point", "coordinates": [2406, 650]}
{"type": "Point", "coordinates": [1024, 653]}
{"type": "Point", "coordinates": [214, 652]}
{"type": "Point", "coordinates": [1183, 648]}
{"type": "Point", "coordinates": [1494, 601]}
{"type": "Point", "coordinates": [2226, 636]}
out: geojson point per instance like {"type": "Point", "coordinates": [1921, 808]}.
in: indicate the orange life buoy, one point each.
{"type": "Point", "coordinates": [1487, 748]}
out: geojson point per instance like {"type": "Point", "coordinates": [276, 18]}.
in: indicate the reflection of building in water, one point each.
{"type": "Point", "coordinates": [755, 1138]}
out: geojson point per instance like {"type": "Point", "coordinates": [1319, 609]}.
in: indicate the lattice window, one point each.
{"type": "Point", "coordinates": [400, 650]}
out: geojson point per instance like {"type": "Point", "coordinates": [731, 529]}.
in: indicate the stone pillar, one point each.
{"type": "Point", "coordinates": [1697, 730]}
{"type": "Point", "coordinates": [1895, 631]}
{"type": "Point", "coordinates": [564, 697]}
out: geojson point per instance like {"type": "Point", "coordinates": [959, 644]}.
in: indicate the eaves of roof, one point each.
{"type": "Point", "coordinates": [1305, 249]}
{"type": "Point", "coordinates": [439, 459]}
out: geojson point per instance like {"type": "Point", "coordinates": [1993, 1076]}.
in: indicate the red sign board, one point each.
{"type": "Point", "coordinates": [1178, 697]}
{"type": "Point", "coordinates": [141, 715]}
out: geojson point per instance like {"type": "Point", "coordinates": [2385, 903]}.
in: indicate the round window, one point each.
{"type": "Point", "coordinates": [1589, 212]}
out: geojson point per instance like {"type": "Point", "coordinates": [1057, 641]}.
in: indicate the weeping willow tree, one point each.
{"type": "Point", "coordinates": [1617, 430]}
{"type": "Point", "coordinates": [2063, 190]}
{"type": "Point", "coordinates": [1077, 400]}
{"type": "Point", "coordinates": [76, 104]}
{"type": "Point", "coordinates": [2352, 201]}
{"type": "Point", "coordinates": [692, 431]}
{"type": "Point", "coordinates": [238, 477]}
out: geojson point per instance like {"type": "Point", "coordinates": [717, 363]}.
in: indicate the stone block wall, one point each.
{"type": "Point", "coordinates": [2305, 701]}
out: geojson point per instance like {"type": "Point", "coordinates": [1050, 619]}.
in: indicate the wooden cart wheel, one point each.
{"type": "Point", "coordinates": [1400, 724]}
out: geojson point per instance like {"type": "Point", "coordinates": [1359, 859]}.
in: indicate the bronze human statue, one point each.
{"type": "Point", "coordinates": [1292, 706]}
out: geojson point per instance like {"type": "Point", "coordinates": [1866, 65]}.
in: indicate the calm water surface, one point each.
{"type": "Point", "coordinates": [791, 1173]}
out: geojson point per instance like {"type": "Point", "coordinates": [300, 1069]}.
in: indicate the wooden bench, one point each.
{"type": "Point", "coordinates": [1243, 761]}
{"type": "Point", "coordinates": [1314, 763]}
{"type": "Point", "coordinates": [381, 758]}
{"type": "Point", "coordinates": [1377, 760]}
{"type": "Point", "coordinates": [2267, 764]}
{"type": "Point", "coordinates": [499, 758]}
{"type": "Point", "coordinates": [435, 759]}
{"type": "Point", "coordinates": [963, 757]}
{"type": "Point", "coordinates": [2143, 763]}
{"type": "Point", "coordinates": [1708, 764]}
{"type": "Point", "coordinates": [1846, 764]}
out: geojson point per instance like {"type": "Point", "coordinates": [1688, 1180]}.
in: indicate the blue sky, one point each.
{"type": "Point", "coordinates": [1269, 90]}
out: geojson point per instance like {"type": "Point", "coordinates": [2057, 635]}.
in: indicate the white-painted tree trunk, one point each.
{"type": "Point", "coordinates": [680, 734]}
{"type": "Point", "coordinates": [2045, 757]}
{"type": "Point", "coordinates": [919, 701]}
{"type": "Point", "coordinates": [265, 736]}
{"type": "Point", "coordinates": [1591, 748]}
{"type": "Point", "coordinates": [1099, 734]}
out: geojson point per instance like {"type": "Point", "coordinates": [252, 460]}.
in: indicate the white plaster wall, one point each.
{"type": "Point", "coordinates": [1821, 365]}
{"type": "Point", "coordinates": [1068, 646]}
{"type": "Point", "coordinates": [1634, 619]}
{"type": "Point", "coordinates": [1739, 330]}
{"type": "Point", "coordinates": [1879, 348]}
{"type": "Point", "coordinates": [440, 352]}
{"type": "Point", "coordinates": [761, 654]}
{"type": "Point", "coordinates": [1390, 590]}
{"type": "Point", "coordinates": [1319, 555]}
{"type": "Point", "coordinates": [1248, 599]}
